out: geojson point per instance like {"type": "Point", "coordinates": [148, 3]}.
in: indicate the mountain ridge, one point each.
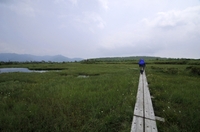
{"type": "Point", "coordinates": [6, 57]}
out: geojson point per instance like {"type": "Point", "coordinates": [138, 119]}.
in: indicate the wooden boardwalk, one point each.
{"type": "Point", "coordinates": [144, 118]}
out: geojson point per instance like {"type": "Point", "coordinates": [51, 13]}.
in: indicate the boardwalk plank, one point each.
{"type": "Point", "coordinates": [144, 118]}
{"type": "Point", "coordinates": [148, 107]}
{"type": "Point", "coordinates": [150, 126]}
{"type": "Point", "coordinates": [137, 124]}
{"type": "Point", "coordinates": [139, 100]}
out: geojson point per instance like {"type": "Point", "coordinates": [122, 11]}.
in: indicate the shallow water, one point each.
{"type": "Point", "coordinates": [7, 70]}
{"type": "Point", "coordinates": [83, 76]}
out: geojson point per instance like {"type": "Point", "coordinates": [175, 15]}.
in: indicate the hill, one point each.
{"type": "Point", "coordinates": [130, 58]}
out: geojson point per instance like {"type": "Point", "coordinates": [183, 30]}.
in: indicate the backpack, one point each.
{"type": "Point", "coordinates": [141, 62]}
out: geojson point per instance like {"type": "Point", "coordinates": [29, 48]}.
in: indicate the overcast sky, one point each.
{"type": "Point", "coordinates": [101, 28]}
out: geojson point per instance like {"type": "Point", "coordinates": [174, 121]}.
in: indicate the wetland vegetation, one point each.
{"type": "Point", "coordinates": [98, 95]}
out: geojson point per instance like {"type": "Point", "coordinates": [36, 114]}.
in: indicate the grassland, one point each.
{"type": "Point", "coordinates": [177, 97]}
{"type": "Point", "coordinates": [98, 96]}
{"type": "Point", "coordinates": [102, 99]}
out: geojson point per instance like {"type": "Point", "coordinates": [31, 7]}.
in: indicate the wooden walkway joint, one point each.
{"type": "Point", "coordinates": [144, 119]}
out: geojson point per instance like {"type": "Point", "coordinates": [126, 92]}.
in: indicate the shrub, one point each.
{"type": "Point", "coordinates": [194, 70]}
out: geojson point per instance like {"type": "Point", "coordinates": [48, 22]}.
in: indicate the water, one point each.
{"type": "Point", "coordinates": [7, 70]}
{"type": "Point", "coordinates": [83, 76]}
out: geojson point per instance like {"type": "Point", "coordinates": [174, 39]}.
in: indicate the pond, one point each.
{"type": "Point", "coordinates": [7, 70]}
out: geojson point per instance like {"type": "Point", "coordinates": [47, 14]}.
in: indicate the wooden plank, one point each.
{"type": "Point", "coordinates": [144, 118]}
{"type": "Point", "coordinates": [150, 126]}
{"type": "Point", "coordinates": [138, 110]}
{"type": "Point", "coordinates": [148, 107]}
{"type": "Point", "coordinates": [160, 119]}
{"type": "Point", "coordinates": [137, 124]}
{"type": "Point", "coordinates": [150, 123]}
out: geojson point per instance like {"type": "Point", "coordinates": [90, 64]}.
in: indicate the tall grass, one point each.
{"type": "Point", "coordinates": [101, 99]}
{"type": "Point", "coordinates": [177, 97]}
{"type": "Point", "coordinates": [62, 101]}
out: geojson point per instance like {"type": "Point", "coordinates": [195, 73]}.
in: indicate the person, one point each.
{"type": "Point", "coordinates": [142, 65]}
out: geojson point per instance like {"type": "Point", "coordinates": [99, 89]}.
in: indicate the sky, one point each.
{"type": "Point", "coordinates": [101, 28]}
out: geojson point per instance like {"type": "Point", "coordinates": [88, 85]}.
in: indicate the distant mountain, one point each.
{"type": "Point", "coordinates": [27, 57]}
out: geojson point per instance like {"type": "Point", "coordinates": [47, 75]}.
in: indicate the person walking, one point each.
{"type": "Point", "coordinates": [142, 65]}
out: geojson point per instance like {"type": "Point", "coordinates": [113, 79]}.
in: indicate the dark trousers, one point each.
{"type": "Point", "coordinates": [142, 67]}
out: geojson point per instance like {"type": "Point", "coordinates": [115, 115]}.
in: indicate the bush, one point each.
{"type": "Point", "coordinates": [194, 70]}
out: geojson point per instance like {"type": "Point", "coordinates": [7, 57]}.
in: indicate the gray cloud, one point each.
{"type": "Point", "coordinates": [98, 28]}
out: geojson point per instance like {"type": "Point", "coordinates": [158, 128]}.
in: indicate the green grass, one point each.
{"type": "Point", "coordinates": [62, 101]}
{"type": "Point", "coordinates": [102, 100]}
{"type": "Point", "coordinates": [177, 97]}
